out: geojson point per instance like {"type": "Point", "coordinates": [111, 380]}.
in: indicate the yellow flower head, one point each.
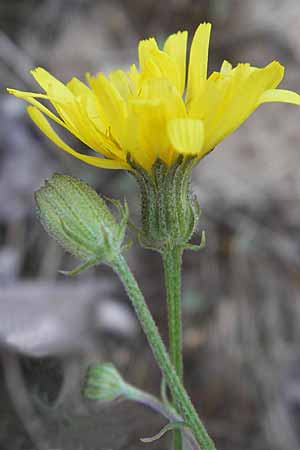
{"type": "Point", "coordinates": [156, 111]}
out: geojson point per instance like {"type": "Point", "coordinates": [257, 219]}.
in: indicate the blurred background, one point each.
{"type": "Point", "coordinates": [241, 300]}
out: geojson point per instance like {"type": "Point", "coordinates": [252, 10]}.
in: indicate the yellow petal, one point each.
{"type": "Point", "coordinates": [228, 99]}
{"type": "Point", "coordinates": [151, 69]}
{"type": "Point", "coordinates": [150, 137]}
{"type": "Point", "coordinates": [60, 95]}
{"type": "Point", "coordinates": [175, 47]}
{"type": "Point", "coordinates": [186, 135]}
{"type": "Point", "coordinates": [24, 94]}
{"type": "Point", "coordinates": [155, 63]}
{"type": "Point", "coordinates": [111, 105]}
{"type": "Point", "coordinates": [86, 131]}
{"type": "Point", "coordinates": [165, 92]}
{"type": "Point", "coordinates": [84, 109]}
{"type": "Point", "coordinates": [69, 117]}
{"type": "Point", "coordinates": [274, 72]}
{"type": "Point", "coordinates": [43, 124]}
{"type": "Point", "coordinates": [51, 85]}
{"type": "Point", "coordinates": [30, 98]}
{"type": "Point", "coordinates": [244, 91]}
{"type": "Point", "coordinates": [206, 106]}
{"type": "Point", "coordinates": [157, 103]}
{"type": "Point", "coordinates": [160, 65]}
{"type": "Point", "coordinates": [80, 118]}
{"type": "Point", "coordinates": [226, 68]}
{"type": "Point", "coordinates": [280, 95]}
{"type": "Point", "coordinates": [134, 76]}
{"type": "Point", "coordinates": [86, 98]}
{"type": "Point", "coordinates": [167, 67]}
{"type": "Point", "coordinates": [146, 47]}
{"type": "Point", "coordinates": [78, 88]}
{"type": "Point", "coordinates": [198, 61]}
{"type": "Point", "coordinates": [121, 82]}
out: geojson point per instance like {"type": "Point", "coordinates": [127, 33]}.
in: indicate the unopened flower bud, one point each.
{"type": "Point", "coordinates": [79, 219]}
{"type": "Point", "coordinates": [104, 383]}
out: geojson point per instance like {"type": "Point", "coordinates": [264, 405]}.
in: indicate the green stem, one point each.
{"type": "Point", "coordinates": [172, 270]}
{"type": "Point", "coordinates": [132, 393]}
{"type": "Point", "coordinates": [189, 413]}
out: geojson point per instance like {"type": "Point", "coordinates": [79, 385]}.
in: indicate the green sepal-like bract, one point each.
{"type": "Point", "coordinates": [169, 211]}
{"type": "Point", "coordinates": [79, 219]}
{"type": "Point", "coordinates": [179, 425]}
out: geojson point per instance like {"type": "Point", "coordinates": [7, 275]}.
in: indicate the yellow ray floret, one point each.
{"type": "Point", "coordinates": [186, 135]}
{"type": "Point", "coordinates": [154, 112]}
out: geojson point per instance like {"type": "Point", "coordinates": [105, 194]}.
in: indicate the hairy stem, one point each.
{"type": "Point", "coordinates": [189, 413]}
{"type": "Point", "coordinates": [152, 402]}
{"type": "Point", "coordinates": [172, 270]}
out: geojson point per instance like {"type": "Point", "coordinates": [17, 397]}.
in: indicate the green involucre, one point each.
{"type": "Point", "coordinates": [169, 211]}
{"type": "Point", "coordinates": [79, 219]}
{"type": "Point", "coordinates": [104, 383]}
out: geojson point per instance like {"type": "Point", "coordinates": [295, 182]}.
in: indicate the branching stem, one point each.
{"type": "Point", "coordinates": [189, 413]}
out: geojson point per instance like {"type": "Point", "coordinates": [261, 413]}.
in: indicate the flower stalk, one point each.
{"type": "Point", "coordinates": [172, 271]}
{"type": "Point", "coordinates": [103, 382]}
{"type": "Point", "coordinates": [172, 260]}
{"type": "Point", "coordinates": [189, 413]}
